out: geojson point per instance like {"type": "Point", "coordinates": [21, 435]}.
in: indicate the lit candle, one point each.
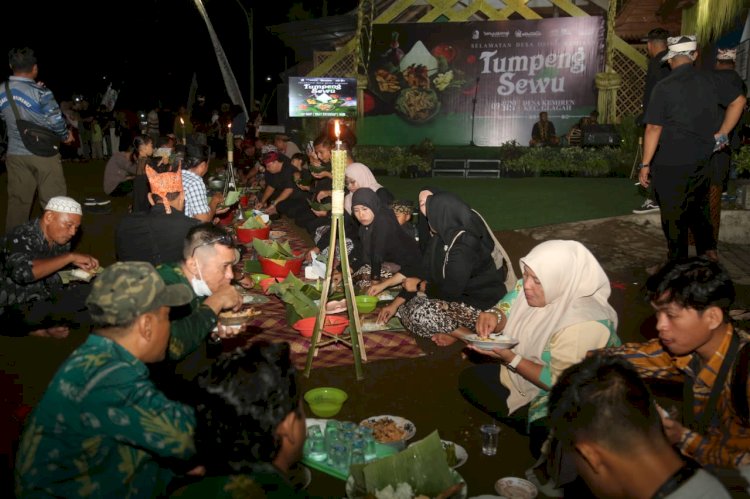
{"type": "Point", "coordinates": [182, 124]}
{"type": "Point", "coordinates": [338, 162]}
{"type": "Point", "coordinates": [230, 145]}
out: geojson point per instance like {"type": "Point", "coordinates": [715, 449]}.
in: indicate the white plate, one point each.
{"type": "Point", "coordinates": [515, 488]}
{"type": "Point", "coordinates": [461, 455]}
{"type": "Point", "coordinates": [402, 423]}
{"type": "Point", "coordinates": [300, 477]}
{"type": "Point", "coordinates": [254, 299]}
{"type": "Point", "coordinates": [494, 341]}
{"type": "Point", "coordinates": [350, 492]}
{"type": "Point", "coordinates": [316, 422]}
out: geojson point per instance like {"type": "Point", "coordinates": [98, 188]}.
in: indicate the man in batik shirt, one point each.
{"type": "Point", "coordinates": [699, 348]}
{"type": "Point", "coordinates": [30, 257]}
{"type": "Point", "coordinates": [102, 428]}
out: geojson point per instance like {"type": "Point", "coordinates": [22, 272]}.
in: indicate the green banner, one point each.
{"type": "Point", "coordinates": [479, 82]}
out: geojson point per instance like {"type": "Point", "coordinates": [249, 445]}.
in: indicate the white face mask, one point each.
{"type": "Point", "coordinates": [200, 287]}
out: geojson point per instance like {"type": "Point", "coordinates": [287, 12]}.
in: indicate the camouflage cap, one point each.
{"type": "Point", "coordinates": [125, 290]}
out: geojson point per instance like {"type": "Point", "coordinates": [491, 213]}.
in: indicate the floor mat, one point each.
{"type": "Point", "coordinates": [272, 326]}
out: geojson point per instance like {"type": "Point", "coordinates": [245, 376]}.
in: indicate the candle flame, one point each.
{"type": "Point", "coordinates": [182, 122]}
{"type": "Point", "coordinates": [230, 127]}
{"type": "Point", "coordinates": [337, 129]}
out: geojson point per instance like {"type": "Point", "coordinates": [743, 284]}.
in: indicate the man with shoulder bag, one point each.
{"type": "Point", "coordinates": [35, 129]}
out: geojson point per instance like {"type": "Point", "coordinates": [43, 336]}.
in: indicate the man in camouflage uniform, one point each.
{"type": "Point", "coordinates": [102, 428]}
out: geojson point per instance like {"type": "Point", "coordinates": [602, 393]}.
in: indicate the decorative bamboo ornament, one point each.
{"type": "Point", "coordinates": [357, 344]}
{"type": "Point", "coordinates": [230, 145]}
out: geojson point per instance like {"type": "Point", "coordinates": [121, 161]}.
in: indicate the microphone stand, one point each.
{"type": "Point", "coordinates": [473, 112]}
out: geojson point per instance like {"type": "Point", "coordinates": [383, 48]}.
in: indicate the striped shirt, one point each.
{"type": "Point", "coordinates": [724, 445]}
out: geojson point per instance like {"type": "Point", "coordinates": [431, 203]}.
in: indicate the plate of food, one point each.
{"type": "Point", "coordinates": [417, 105]}
{"type": "Point", "coordinates": [229, 318]}
{"type": "Point", "coordinates": [402, 489]}
{"type": "Point", "coordinates": [387, 429]}
{"type": "Point", "coordinates": [251, 298]}
{"type": "Point", "coordinates": [492, 341]}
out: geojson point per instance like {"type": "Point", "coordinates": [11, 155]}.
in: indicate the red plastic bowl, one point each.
{"type": "Point", "coordinates": [247, 235]}
{"type": "Point", "coordinates": [275, 270]}
{"type": "Point", "coordinates": [268, 282]}
{"type": "Point", "coordinates": [227, 218]}
{"type": "Point", "coordinates": [334, 324]}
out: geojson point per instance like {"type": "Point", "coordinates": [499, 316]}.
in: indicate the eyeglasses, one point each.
{"type": "Point", "coordinates": [225, 240]}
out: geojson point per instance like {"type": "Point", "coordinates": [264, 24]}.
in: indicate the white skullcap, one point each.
{"type": "Point", "coordinates": [680, 45]}
{"type": "Point", "coordinates": [64, 204]}
{"type": "Point", "coordinates": [727, 55]}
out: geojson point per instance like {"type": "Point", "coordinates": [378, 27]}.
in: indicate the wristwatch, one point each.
{"type": "Point", "coordinates": [643, 165]}
{"type": "Point", "coordinates": [513, 364]}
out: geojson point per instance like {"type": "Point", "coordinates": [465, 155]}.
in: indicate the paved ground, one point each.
{"type": "Point", "coordinates": [423, 390]}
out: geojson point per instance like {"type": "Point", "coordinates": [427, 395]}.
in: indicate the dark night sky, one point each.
{"type": "Point", "coordinates": [149, 48]}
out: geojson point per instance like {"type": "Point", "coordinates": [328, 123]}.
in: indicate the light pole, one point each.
{"type": "Point", "coordinates": [249, 18]}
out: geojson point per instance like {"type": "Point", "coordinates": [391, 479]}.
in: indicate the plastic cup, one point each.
{"type": "Point", "coordinates": [317, 444]}
{"type": "Point", "coordinates": [339, 456]}
{"type": "Point", "coordinates": [332, 433]}
{"type": "Point", "coordinates": [490, 434]}
{"type": "Point", "coordinates": [369, 439]}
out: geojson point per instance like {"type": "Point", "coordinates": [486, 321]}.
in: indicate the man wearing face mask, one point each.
{"type": "Point", "coordinates": [206, 267]}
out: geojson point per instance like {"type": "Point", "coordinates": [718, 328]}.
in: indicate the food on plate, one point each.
{"type": "Point", "coordinates": [442, 80]}
{"type": "Point", "coordinates": [416, 76]}
{"type": "Point", "coordinates": [326, 106]}
{"type": "Point", "coordinates": [386, 430]}
{"type": "Point", "coordinates": [387, 82]}
{"type": "Point", "coordinates": [233, 317]}
{"type": "Point", "coordinates": [417, 104]}
{"type": "Point", "coordinates": [372, 325]}
{"type": "Point", "coordinates": [85, 275]}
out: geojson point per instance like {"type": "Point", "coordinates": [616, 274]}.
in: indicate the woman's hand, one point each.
{"type": "Point", "coordinates": [672, 429]}
{"type": "Point", "coordinates": [504, 355]}
{"type": "Point", "coordinates": [319, 213]}
{"type": "Point", "coordinates": [376, 288]}
{"type": "Point", "coordinates": [336, 277]}
{"type": "Point", "coordinates": [387, 312]}
{"type": "Point", "coordinates": [486, 324]}
{"type": "Point", "coordinates": [322, 195]}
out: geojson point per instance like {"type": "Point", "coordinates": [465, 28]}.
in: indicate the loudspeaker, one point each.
{"type": "Point", "coordinates": [601, 135]}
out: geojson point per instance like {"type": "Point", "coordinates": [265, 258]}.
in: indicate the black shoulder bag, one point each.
{"type": "Point", "coordinates": [39, 140]}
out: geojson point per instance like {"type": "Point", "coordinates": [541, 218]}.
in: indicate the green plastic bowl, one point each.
{"type": "Point", "coordinates": [366, 303]}
{"type": "Point", "coordinates": [326, 401]}
{"type": "Point", "coordinates": [258, 277]}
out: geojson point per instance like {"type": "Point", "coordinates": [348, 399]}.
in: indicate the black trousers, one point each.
{"type": "Point", "coordinates": [66, 307]}
{"type": "Point", "coordinates": [481, 386]}
{"type": "Point", "coordinates": [682, 193]}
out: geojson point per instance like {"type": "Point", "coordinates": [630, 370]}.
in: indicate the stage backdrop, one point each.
{"type": "Point", "coordinates": [423, 79]}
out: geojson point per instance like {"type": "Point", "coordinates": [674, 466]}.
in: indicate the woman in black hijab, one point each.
{"type": "Point", "coordinates": [459, 274]}
{"type": "Point", "coordinates": [381, 240]}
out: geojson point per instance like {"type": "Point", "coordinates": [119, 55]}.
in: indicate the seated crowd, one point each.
{"type": "Point", "coordinates": [129, 413]}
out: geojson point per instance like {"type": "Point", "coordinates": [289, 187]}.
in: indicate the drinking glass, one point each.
{"type": "Point", "coordinates": [317, 445]}
{"type": "Point", "coordinates": [369, 439]}
{"type": "Point", "coordinates": [490, 433]}
{"type": "Point", "coordinates": [332, 433]}
{"type": "Point", "coordinates": [338, 457]}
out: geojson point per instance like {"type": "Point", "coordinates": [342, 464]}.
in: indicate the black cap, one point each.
{"type": "Point", "coordinates": [656, 34]}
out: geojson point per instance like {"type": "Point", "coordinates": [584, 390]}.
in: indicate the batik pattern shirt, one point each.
{"type": "Point", "coordinates": [190, 324]}
{"type": "Point", "coordinates": [20, 247]}
{"type": "Point", "coordinates": [724, 445]}
{"type": "Point", "coordinates": [100, 429]}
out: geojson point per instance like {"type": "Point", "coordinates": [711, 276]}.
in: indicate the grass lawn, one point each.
{"type": "Point", "coordinates": [506, 203]}
{"type": "Point", "coordinates": [514, 203]}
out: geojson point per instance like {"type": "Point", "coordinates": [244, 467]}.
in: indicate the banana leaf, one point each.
{"type": "Point", "coordinates": [298, 297]}
{"type": "Point", "coordinates": [423, 466]}
{"type": "Point", "coordinates": [232, 197]}
{"type": "Point", "coordinates": [320, 206]}
{"type": "Point", "coordinates": [274, 249]}
{"type": "Point", "coordinates": [253, 223]}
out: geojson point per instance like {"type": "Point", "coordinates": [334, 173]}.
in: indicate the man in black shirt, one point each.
{"type": "Point", "coordinates": [282, 195]}
{"type": "Point", "coordinates": [721, 160]}
{"type": "Point", "coordinates": [156, 236]}
{"type": "Point", "coordinates": [685, 121]}
{"type": "Point", "coordinates": [658, 69]}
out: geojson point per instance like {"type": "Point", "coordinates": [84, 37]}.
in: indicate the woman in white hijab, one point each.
{"type": "Point", "coordinates": [359, 176]}
{"type": "Point", "coordinates": [557, 312]}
